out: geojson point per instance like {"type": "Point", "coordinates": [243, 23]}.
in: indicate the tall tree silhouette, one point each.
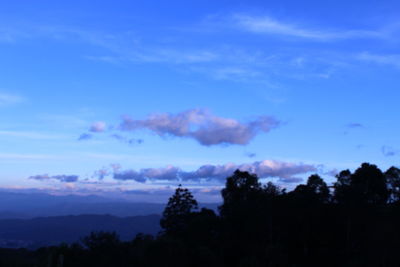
{"type": "Point", "coordinates": [342, 186]}
{"type": "Point", "coordinates": [178, 210]}
{"type": "Point", "coordinates": [318, 189]}
{"type": "Point", "coordinates": [367, 185]}
{"type": "Point", "coordinates": [240, 189]}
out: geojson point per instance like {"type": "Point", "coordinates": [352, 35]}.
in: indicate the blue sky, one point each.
{"type": "Point", "coordinates": [128, 98]}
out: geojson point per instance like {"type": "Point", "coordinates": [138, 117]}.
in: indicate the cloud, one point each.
{"type": "Point", "coordinates": [251, 155]}
{"type": "Point", "coordinates": [85, 136]}
{"type": "Point", "coordinates": [19, 157]}
{"type": "Point", "coordinates": [123, 139]}
{"type": "Point", "coordinates": [355, 125]}
{"type": "Point", "coordinates": [9, 35]}
{"type": "Point", "coordinates": [388, 151]}
{"type": "Point", "coordinates": [170, 173]}
{"type": "Point", "coordinates": [202, 126]}
{"type": "Point", "coordinates": [98, 127]}
{"type": "Point", "coordinates": [116, 167]}
{"type": "Point", "coordinates": [31, 135]}
{"type": "Point", "coordinates": [220, 62]}
{"type": "Point", "coordinates": [9, 99]}
{"type": "Point", "coordinates": [101, 174]}
{"type": "Point", "coordinates": [286, 171]}
{"type": "Point", "coordinates": [388, 59]}
{"type": "Point", "coordinates": [292, 180]}
{"type": "Point", "coordinates": [272, 26]}
{"type": "Point", "coordinates": [236, 73]}
{"type": "Point", "coordinates": [62, 178]}
{"type": "Point", "coordinates": [332, 172]}
{"type": "Point", "coordinates": [264, 169]}
{"type": "Point", "coordinates": [202, 194]}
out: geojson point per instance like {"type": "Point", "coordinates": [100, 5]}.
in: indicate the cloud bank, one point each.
{"type": "Point", "coordinates": [202, 126]}
{"type": "Point", "coordinates": [62, 178]}
{"type": "Point", "coordinates": [285, 171]}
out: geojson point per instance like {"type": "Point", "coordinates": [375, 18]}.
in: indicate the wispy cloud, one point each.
{"type": "Point", "coordinates": [127, 140]}
{"type": "Point", "coordinates": [16, 156]}
{"type": "Point", "coordinates": [355, 125]}
{"type": "Point", "coordinates": [219, 62]}
{"type": "Point", "coordinates": [272, 26]}
{"type": "Point", "coordinates": [250, 154]}
{"type": "Point", "coordinates": [85, 136]}
{"type": "Point", "coordinates": [202, 126]}
{"type": "Point", "coordinates": [236, 73]}
{"type": "Point", "coordinates": [31, 135]}
{"type": "Point", "coordinates": [389, 151]}
{"type": "Point", "coordinates": [10, 99]}
{"type": "Point", "coordinates": [126, 46]}
{"type": "Point", "coordinates": [381, 59]}
{"type": "Point", "coordinates": [11, 35]}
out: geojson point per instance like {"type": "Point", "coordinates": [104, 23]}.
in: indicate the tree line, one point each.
{"type": "Point", "coordinates": [353, 222]}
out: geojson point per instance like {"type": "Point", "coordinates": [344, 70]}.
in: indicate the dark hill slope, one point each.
{"type": "Point", "coordinates": [53, 230]}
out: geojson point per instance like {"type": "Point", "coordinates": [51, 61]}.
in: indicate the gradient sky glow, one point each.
{"type": "Point", "coordinates": [130, 98]}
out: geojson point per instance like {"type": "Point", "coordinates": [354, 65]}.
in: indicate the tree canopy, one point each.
{"type": "Point", "coordinates": [352, 223]}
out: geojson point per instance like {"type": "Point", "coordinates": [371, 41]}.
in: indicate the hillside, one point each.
{"type": "Point", "coordinates": [33, 233]}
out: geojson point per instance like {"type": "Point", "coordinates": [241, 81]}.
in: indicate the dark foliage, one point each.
{"type": "Point", "coordinates": [355, 223]}
{"type": "Point", "coordinates": [178, 211]}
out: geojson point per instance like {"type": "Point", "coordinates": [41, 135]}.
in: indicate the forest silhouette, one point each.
{"type": "Point", "coordinates": [354, 222]}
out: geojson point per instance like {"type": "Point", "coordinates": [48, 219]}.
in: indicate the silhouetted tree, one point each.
{"type": "Point", "coordinates": [240, 189]}
{"type": "Point", "coordinates": [259, 225]}
{"type": "Point", "coordinates": [314, 191]}
{"type": "Point", "coordinates": [368, 185]}
{"type": "Point", "coordinates": [392, 176]}
{"type": "Point", "coordinates": [342, 186]}
{"type": "Point", "coordinates": [271, 191]}
{"type": "Point", "coordinates": [319, 188]}
{"type": "Point", "coordinates": [178, 210]}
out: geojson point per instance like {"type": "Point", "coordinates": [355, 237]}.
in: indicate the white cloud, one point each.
{"type": "Point", "coordinates": [269, 25]}
{"type": "Point", "coordinates": [264, 169]}
{"type": "Point", "coordinates": [169, 173]}
{"type": "Point", "coordinates": [286, 171]}
{"type": "Point", "coordinates": [202, 126]}
{"type": "Point", "coordinates": [98, 127]}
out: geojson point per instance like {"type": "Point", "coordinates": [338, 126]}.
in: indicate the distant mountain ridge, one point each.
{"type": "Point", "coordinates": [37, 232]}
{"type": "Point", "coordinates": [30, 205]}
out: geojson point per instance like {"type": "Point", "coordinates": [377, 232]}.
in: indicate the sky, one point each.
{"type": "Point", "coordinates": [131, 98]}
